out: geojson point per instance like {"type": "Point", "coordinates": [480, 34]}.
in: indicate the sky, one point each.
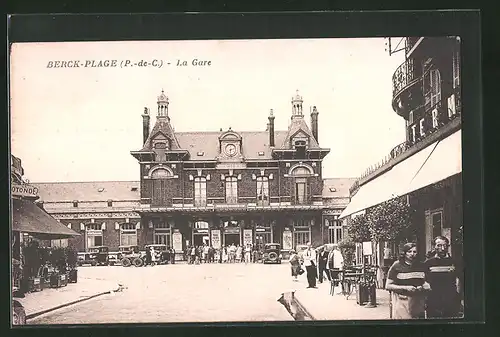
{"type": "Point", "coordinates": [80, 124]}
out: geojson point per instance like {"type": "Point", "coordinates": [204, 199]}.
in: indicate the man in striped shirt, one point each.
{"type": "Point", "coordinates": [444, 300]}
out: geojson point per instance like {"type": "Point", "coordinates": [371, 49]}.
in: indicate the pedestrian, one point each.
{"type": "Point", "coordinates": [334, 267]}
{"type": "Point", "coordinates": [443, 300]}
{"type": "Point", "coordinates": [248, 251]}
{"type": "Point", "coordinates": [295, 265]}
{"type": "Point", "coordinates": [239, 253]}
{"type": "Point", "coordinates": [225, 255]}
{"type": "Point", "coordinates": [148, 257]}
{"type": "Point", "coordinates": [322, 261]}
{"type": "Point", "coordinates": [205, 253]}
{"type": "Point", "coordinates": [232, 253]}
{"type": "Point", "coordinates": [407, 283]}
{"type": "Point", "coordinates": [310, 264]}
{"type": "Point", "coordinates": [193, 254]}
{"type": "Point", "coordinates": [172, 256]}
{"type": "Point", "coordinates": [153, 256]}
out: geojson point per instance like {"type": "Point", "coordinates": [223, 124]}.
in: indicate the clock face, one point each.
{"type": "Point", "coordinates": [230, 150]}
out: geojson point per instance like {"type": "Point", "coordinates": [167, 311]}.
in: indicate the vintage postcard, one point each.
{"type": "Point", "coordinates": [236, 180]}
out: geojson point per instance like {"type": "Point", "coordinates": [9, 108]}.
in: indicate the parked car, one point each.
{"type": "Point", "coordinates": [271, 253]}
{"type": "Point", "coordinates": [130, 255]}
{"type": "Point", "coordinates": [94, 256]}
{"type": "Point", "coordinates": [159, 250]}
{"type": "Point", "coordinates": [114, 258]}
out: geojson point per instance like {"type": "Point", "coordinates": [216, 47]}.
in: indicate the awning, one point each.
{"type": "Point", "coordinates": [29, 218]}
{"type": "Point", "coordinates": [444, 161]}
{"type": "Point", "coordinates": [435, 162]}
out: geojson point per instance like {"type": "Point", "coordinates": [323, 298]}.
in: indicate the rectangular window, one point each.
{"type": "Point", "coordinates": [128, 235]}
{"type": "Point", "coordinates": [262, 191]}
{"type": "Point", "coordinates": [162, 239]}
{"type": "Point", "coordinates": [200, 191]}
{"type": "Point", "coordinates": [422, 129]}
{"type": "Point", "coordinates": [435, 87]}
{"type": "Point", "coordinates": [110, 203]}
{"type": "Point", "coordinates": [94, 240]}
{"type": "Point", "coordinates": [300, 192]}
{"type": "Point", "coordinates": [301, 237]}
{"type": "Point", "coordinates": [231, 190]}
{"type": "Point", "coordinates": [335, 231]}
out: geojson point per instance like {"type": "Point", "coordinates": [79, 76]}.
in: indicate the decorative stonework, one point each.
{"type": "Point", "coordinates": [95, 215]}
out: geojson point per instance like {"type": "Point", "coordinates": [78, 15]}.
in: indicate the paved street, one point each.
{"type": "Point", "coordinates": [182, 293]}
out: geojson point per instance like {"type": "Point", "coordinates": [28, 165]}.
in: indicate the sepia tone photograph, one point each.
{"type": "Point", "coordinates": [201, 181]}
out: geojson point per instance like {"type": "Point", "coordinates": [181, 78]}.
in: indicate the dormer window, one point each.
{"type": "Point", "coordinates": [75, 203]}
{"type": "Point", "coordinates": [261, 153]}
{"type": "Point", "coordinates": [159, 148]}
{"type": "Point", "coordinates": [201, 153]}
{"type": "Point", "coordinates": [300, 147]}
{"type": "Point", "coordinates": [333, 189]}
{"type": "Point", "coordinates": [134, 189]}
{"type": "Point", "coordinates": [110, 203]}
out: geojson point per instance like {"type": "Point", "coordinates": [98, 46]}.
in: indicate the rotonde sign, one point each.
{"type": "Point", "coordinates": [24, 190]}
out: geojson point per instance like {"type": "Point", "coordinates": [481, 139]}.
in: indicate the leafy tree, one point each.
{"type": "Point", "coordinates": [390, 221]}
{"type": "Point", "coordinates": [357, 228]}
{"type": "Point", "coordinates": [347, 248]}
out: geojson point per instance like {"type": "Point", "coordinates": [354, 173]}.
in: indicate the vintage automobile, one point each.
{"type": "Point", "coordinates": [130, 255]}
{"type": "Point", "coordinates": [98, 255]}
{"type": "Point", "coordinates": [271, 253]}
{"type": "Point", "coordinates": [159, 252]}
{"type": "Point", "coordinates": [114, 258]}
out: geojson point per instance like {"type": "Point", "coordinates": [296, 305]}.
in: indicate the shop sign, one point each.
{"type": "Point", "coordinates": [287, 240]}
{"type": "Point", "coordinates": [215, 238]}
{"type": "Point", "coordinates": [232, 230]}
{"type": "Point", "coordinates": [247, 237]}
{"type": "Point", "coordinates": [367, 248]}
{"type": "Point", "coordinates": [24, 190]}
{"type": "Point", "coordinates": [177, 241]}
{"type": "Point", "coordinates": [94, 232]}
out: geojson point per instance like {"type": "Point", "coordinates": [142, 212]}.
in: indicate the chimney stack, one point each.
{"type": "Point", "coordinates": [314, 123]}
{"type": "Point", "coordinates": [145, 125]}
{"type": "Point", "coordinates": [271, 128]}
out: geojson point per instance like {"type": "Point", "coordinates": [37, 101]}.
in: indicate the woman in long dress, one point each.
{"type": "Point", "coordinates": [406, 280]}
{"type": "Point", "coordinates": [224, 255]}
{"type": "Point", "coordinates": [294, 264]}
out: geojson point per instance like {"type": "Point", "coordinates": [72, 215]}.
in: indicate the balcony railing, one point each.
{"type": "Point", "coordinates": [403, 76]}
{"type": "Point", "coordinates": [448, 109]}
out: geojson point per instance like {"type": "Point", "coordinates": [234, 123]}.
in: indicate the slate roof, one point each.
{"type": "Point", "coordinates": [297, 125]}
{"type": "Point", "coordinates": [162, 126]}
{"type": "Point", "coordinates": [337, 187]}
{"type": "Point", "coordinates": [89, 191]}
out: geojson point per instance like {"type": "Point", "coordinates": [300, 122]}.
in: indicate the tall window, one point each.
{"type": "Point", "coordinates": [231, 190]}
{"type": "Point", "coordinates": [301, 231]}
{"type": "Point", "coordinates": [301, 188]}
{"type": "Point", "coordinates": [262, 190]}
{"type": "Point", "coordinates": [128, 235]}
{"type": "Point", "coordinates": [160, 186]}
{"type": "Point", "coordinates": [200, 191]}
{"type": "Point", "coordinates": [335, 230]}
{"type": "Point", "coordinates": [413, 132]}
{"type": "Point", "coordinates": [93, 235]}
{"type": "Point", "coordinates": [162, 233]}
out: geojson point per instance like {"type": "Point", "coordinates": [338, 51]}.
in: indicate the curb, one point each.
{"type": "Point", "coordinates": [294, 307]}
{"type": "Point", "coordinates": [39, 313]}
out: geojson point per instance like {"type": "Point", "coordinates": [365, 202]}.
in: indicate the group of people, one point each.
{"type": "Point", "coordinates": [316, 264]}
{"type": "Point", "coordinates": [227, 254]}
{"type": "Point", "coordinates": [154, 257]}
{"type": "Point", "coordinates": [420, 288]}
{"type": "Point", "coordinates": [425, 288]}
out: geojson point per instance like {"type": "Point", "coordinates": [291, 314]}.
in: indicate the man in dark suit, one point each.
{"type": "Point", "coordinates": [322, 261]}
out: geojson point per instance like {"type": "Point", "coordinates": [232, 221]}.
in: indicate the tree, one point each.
{"type": "Point", "coordinates": [390, 221]}
{"type": "Point", "coordinates": [357, 228]}
{"type": "Point", "coordinates": [347, 248]}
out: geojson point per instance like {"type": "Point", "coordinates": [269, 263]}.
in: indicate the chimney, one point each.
{"type": "Point", "coordinates": [314, 123]}
{"type": "Point", "coordinates": [145, 125]}
{"type": "Point", "coordinates": [271, 128]}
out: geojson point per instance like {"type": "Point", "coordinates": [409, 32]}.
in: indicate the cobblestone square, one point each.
{"type": "Point", "coordinates": [182, 293]}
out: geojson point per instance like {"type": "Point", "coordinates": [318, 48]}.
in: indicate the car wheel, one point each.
{"type": "Point", "coordinates": [93, 263]}
{"type": "Point", "coordinates": [138, 262]}
{"type": "Point", "coordinates": [18, 314]}
{"type": "Point", "coordinates": [126, 262]}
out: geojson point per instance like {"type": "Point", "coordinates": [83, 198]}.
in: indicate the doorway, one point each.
{"type": "Point", "coordinates": [230, 239]}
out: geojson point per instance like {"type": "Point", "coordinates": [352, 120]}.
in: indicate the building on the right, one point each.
{"type": "Point", "coordinates": [426, 168]}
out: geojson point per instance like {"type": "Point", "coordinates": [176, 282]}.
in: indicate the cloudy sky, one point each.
{"type": "Point", "coordinates": [80, 124]}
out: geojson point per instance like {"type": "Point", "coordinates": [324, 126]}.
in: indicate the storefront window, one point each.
{"type": "Point", "coordinates": [128, 235]}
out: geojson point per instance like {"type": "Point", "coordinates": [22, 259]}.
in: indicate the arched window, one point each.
{"type": "Point", "coordinates": [301, 171]}
{"type": "Point", "coordinates": [161, 173]}
{"type": "Point", "coordinates": [300, 175]}
{"type": "Point", "coordinates": [200, 191]}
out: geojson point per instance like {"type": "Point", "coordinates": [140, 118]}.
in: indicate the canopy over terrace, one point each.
{"type": "Point", "coordinates": [29, 218]}
{"type": "Point", "coordinates": [436, 162]}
